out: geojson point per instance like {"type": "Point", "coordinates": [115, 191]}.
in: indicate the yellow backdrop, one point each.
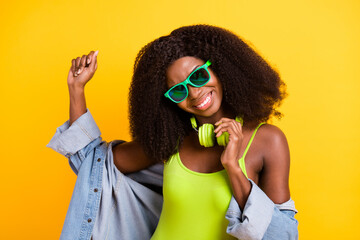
{"type": "Point", "coordinates": [314, 44]}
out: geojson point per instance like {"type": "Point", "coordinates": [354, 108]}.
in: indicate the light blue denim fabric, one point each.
{"type": "Point", "coordinates": [107, 204]}
{"type": "Point", "coordinates": [261, 218]}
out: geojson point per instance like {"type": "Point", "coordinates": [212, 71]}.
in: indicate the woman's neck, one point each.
{"type": "Point", "coordinates": [223, 112]}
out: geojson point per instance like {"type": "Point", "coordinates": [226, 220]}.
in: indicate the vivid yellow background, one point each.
{"type": "Point", "coordinates": [315, 45]}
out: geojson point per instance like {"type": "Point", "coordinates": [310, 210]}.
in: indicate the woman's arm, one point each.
{"type": "Point", "coordinates": [274, 179]}
{"type": "Point", "coordinates": [229, 158]}
{"type": "Point", "coordinates": [253, 214]}
{"type": "Point", "coordinates": [275, 161]}
{"type": "Point", "coordinates": [81, 71]}
{"type": "Point", "coordinates": [129, 156]}
{"type": "Point", "coordinates": [75, 141]}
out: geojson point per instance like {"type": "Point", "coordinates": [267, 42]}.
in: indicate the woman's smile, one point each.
{"type": "Point", "coordinates": [205, 102]}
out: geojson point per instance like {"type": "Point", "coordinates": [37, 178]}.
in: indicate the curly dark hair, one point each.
{"type": "Point", "coordinates": [252, 88]}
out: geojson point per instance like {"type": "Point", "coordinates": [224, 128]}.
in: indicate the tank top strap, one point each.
{"type": "Point", "coordinates": [177, 145]}
{"type": "Point", "coordinates": [242, 159]}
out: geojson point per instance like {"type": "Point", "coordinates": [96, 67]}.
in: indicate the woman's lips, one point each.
{"type": "Point", "coordinates": [205, 103]}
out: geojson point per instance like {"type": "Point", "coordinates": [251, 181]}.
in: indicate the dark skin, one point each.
{"type": "Point", "coordinates": [267, 167]}
{"type": "Point", "coordinates": [267, 161]}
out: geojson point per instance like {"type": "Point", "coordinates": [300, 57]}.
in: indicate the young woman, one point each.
{"type": "Point", "coordinates": [189, 90]}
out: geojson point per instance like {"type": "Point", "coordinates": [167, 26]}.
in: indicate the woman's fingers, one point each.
{"type": "Point", "coordinates": [93, 64]}
{"type": "Point", "coordinates": [222, 120]}
{"type": "Point", "coordinates": [81, 65]}
{"type": "Point", "coordinates": [232, 150]}
{"type": "Point", "coordinates": [226, 123]}
{"type": "Point", "coordinates": [237, 126]}
{"type": "Point", "coordinates": [73, 62]}
{"type": "Point", "coordinates": [89, 57]}
{"type": "Point", "coordinates": [227, 127]}
{"type": "Point", "coordinates": [77, 64]}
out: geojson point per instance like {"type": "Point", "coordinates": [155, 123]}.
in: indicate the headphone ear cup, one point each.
{"type": "Point", "coordinates": [223, 139]}
{"type": "Point", "coordinates": [207, 135]}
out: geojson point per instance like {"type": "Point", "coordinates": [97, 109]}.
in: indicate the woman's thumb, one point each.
{"type": "Point", "coordinates": [94, 60]}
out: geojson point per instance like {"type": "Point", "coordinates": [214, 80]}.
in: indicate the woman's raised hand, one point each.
{"type": "Point", "coordinates": [231, 153]}
{"type": "Point", "coordinates": [82, 69]}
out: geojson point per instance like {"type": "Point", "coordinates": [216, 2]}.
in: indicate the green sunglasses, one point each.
{"type": "Point", "coordinates": [198, 78]}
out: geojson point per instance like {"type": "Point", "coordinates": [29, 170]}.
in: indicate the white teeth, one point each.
{"type": "Point", "coordinates": [207, 99]}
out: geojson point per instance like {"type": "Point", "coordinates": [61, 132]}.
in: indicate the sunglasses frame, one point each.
{"type": "Point", "coordinates": [187, 81]}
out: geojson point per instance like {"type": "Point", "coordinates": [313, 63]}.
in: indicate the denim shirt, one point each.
{"type": "Point", "coordinates": [106, 204]}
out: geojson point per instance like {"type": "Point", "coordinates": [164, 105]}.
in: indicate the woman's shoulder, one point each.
{"type": "Point", "coordinates": [271, 133]}
{"type": "Point", "coordinates": [274, 143]}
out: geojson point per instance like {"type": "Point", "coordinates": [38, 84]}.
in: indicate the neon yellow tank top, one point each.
{"type": "Point", "coordinates": [195, 203]}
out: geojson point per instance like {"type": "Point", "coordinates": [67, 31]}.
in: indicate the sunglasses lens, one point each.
{"type": "Point", "coordinates": [199, 77]}
{"type": "Point", "coordinates": [178, 93]}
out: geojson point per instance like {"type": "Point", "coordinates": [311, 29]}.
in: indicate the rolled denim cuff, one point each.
{"type": "Point", "coordinates": [289, 205]}
{"type": "Point", "coordinates": [70, 139]}
{"type": "Point", "coordinates": [253, 221]}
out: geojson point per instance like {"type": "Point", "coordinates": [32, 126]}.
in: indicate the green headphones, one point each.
{"type": "Point", "coordinates": [207, 136]}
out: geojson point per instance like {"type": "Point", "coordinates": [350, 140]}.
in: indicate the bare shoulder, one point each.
{"type": "Point", "coordinates": [274, 179]}
{"type": "Point", "coordinates": [272, 134]}
{"type": "Point", "coordinates": [273, 142]}
{"type": "Point", "coordinates": [131, 157]}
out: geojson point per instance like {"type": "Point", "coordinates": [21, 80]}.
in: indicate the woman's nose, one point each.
{"type": "Point", "coordinates": [194, 92]}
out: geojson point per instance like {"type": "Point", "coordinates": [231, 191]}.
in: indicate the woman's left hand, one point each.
{"type": "Point", "coordinates": [231, 154]}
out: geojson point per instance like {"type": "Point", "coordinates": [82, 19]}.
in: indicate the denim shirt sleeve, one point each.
{"type": "Point", "coordinates": [77, 140]}
{"type": "Point", "coordinates": [261, 218]}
